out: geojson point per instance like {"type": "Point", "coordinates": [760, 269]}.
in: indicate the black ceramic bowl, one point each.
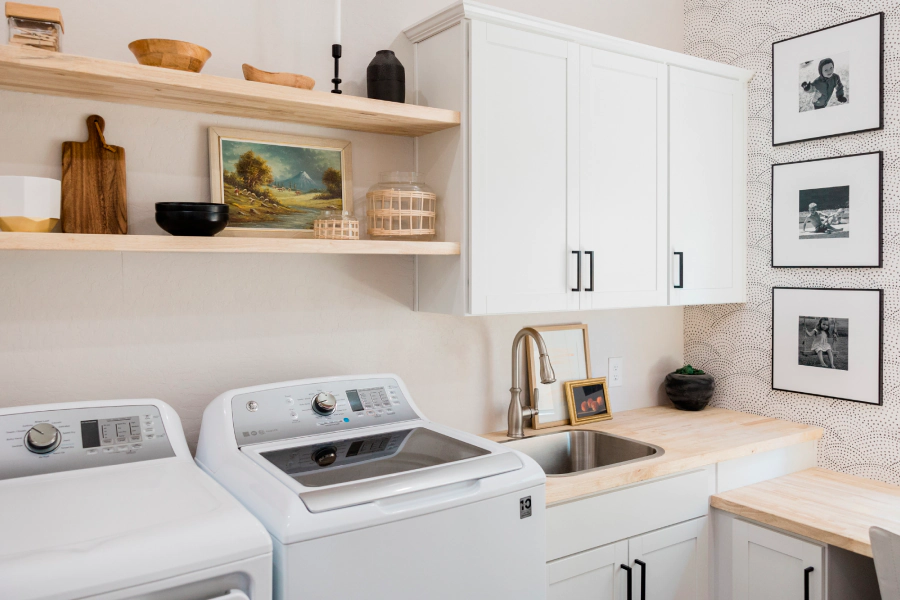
{"type": "Point", "coordinates": [191, 206]}
{"type": "Point", "coordinates": [192, 222]}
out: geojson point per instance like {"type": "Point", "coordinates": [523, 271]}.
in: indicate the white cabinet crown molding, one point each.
{"type": "Point", "coordinates": [465, 9]}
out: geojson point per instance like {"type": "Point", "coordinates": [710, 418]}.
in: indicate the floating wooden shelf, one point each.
{"type": "Point", "coordinates": [165, 243]}
{"type": "Point", "coordinates": [24, 69]}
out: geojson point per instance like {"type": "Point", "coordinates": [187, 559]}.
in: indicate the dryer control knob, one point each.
{"type": "Point", "coordinates": [324, 403]}
{"type": "Point", "coordinates": [43, 438]}
{"type": "Point", "coordinates": [325, 456]}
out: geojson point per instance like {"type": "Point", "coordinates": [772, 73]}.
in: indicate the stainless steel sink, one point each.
{"type": "Point", "coordinates": [576, 451]}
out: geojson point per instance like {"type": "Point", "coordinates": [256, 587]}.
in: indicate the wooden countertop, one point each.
{"type": "Point", "coordinates": [690, 440]}
{"type": "Point", "coordinates": [826, 506]}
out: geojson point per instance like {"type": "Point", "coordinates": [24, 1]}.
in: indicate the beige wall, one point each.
{"type": "Point", "coordinates": [184, 328]}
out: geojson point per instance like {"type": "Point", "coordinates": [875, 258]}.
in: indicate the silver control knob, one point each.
{"type": "Point", "coordinates": [324, 403]}
{"type": "Point", "coordinates": [43, 438]}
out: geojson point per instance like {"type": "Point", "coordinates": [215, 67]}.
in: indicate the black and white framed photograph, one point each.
{"type": "Point", "coordinates": [828, 342]}
{"type": "Point", "coordinates": [812, 205]}
{"type": "Point", "coordinates": [829, 82]}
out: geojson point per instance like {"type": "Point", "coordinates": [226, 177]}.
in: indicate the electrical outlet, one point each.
{"type": "Point", "coordinates": [615, 375]}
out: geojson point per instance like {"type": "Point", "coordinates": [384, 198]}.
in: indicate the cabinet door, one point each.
{"type": "Point", "coordinates": [523, 196]}
{"type": "Point", "coordinates": [767, 565]}
{"type": "Point", "coordinates": [676, 562]}
{"type": "Point", "coordinates": [707, 188]}
{"type": "Point", "coordinates": [623, 180]}
{"type": "Point", "coordinates": [591, 575]}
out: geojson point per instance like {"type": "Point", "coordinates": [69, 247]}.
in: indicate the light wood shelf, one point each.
{"type": "Point", "coordinates": [165, 243]}
{"type": "Point", "coordinates": [26, 69]}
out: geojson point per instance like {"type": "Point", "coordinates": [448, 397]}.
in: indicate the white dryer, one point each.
{"type": "Point", "coordinates": [102, 500]}
{"type": "Point", "coordinates": [366, 498]}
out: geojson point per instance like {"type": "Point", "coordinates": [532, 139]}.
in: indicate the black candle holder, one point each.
{"type": "Point", "coordinates": [336, 54]}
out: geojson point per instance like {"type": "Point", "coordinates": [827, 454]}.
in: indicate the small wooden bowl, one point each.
{"type": "Point", "coordinates": [170, 54]}
{"type": "Point", "coordinates": [289, 79]}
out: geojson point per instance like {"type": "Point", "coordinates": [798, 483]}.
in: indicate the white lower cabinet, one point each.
{"type": "Point", "coordinates": [673, 564]}
{"type": "Point", "coordinates": [767, 565]}
{"type": "Point", "coordinates": [591, 575]}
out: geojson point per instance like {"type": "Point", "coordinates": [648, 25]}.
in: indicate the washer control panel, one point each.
{"type": "Point", "coordinates": [287, 412]}
{"type": "Point", "coordinates": [50, 441]}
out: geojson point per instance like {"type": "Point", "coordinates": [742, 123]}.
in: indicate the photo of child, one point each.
{"type": "Point", "coordinates": [825, 213]}
{"type": "Point", "coordinates": [825, 83]}
{"type": "Point", "coordinates": [823, 342]}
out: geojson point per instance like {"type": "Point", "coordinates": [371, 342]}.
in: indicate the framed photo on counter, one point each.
{"type": "Point", "coordinates": [829, 82]}
{"type": "Point", "coordinates": [570, 355]}
{"type": "Point", "coordinates": [276, 185]}
{"type": "Point", "coordinates": [588, 401]}
{"type": "Point", "coordinates": [812, 202]}
{"type": "Point", "coordinates": [828, 342]}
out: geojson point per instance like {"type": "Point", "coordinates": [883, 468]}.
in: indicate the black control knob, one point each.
{"type": "Point", "coordinates": [325, 456]}
{"type": "Point", "coordinates": [43, 438]}
{"type": "Point", "coordinates": [324, 403]}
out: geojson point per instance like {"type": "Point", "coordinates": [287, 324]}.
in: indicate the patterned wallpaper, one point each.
{"type": "Point", "coordinates": [734, 342]}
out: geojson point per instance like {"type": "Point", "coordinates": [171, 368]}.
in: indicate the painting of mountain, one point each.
{"type": "Point", "coordinates": [280, 186]}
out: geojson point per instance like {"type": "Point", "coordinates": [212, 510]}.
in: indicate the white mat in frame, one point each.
{"type": "Point", "coordinates": [860, 245]}
{"type": "Point", "coordinates": [860, 377]}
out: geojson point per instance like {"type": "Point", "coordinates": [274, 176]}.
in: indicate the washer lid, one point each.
{"type": "Point", "coordinates": [363, 469]}
{"type": "Point", "coordinates": [81, 533]}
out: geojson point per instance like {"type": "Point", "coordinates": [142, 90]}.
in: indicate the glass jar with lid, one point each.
{"type": "Point", "coordinates": [400, 205]}
{"type": "Point", "coordinates": [35, 26]}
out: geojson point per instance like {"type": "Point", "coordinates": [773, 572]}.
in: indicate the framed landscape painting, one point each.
{"type": "Point", "coordinates": [829, 82]}
{"type": "Point", "coordinates": [828, 212]}
{"type": "Point", "coordinates": [828, 342]}
{"type": "Point", "coordinates": [276, 185]}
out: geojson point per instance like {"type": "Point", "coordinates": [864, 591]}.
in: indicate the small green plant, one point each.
{"type": "Point", "coordinates": [689, 370]}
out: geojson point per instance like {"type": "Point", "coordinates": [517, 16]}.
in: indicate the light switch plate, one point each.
{"type": "Point", "coordinates": [615, 375]}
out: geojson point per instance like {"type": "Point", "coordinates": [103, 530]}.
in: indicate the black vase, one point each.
{"type": "Point", "coordinates": [690, 392]}
{"type": "Point", "coordinates": [386, 77]}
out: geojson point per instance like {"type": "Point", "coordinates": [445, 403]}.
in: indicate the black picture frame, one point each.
{"type": "Point", "coordinates": [880, 343]}
{"type": "Point", "coordinates": [881, 81]}
{"type": "Point", "coordinates": [880, 264]}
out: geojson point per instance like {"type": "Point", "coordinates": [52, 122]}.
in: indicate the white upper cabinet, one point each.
{"type": "Point", "coordinates": [522, 99]}
{"type": "Point", "coordinates": [623, 180]}
{"type": "Point", "coordinates": [581, 164]}
{"type": "Point", "coordinates": [707, 188]}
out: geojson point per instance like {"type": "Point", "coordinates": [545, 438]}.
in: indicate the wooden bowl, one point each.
{"type": "Point", "coordinates": [289, 79]}
{"type": "Point", "coordinates": [170, 54]}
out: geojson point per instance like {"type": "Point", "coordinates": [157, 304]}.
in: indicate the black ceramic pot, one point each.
{"type": "Point", "coordinates": [386, 77]}
{"type": "Point", "coordinates": [690, 392]}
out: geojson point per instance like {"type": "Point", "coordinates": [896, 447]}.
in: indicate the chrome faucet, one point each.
{"type": "Point", "coordinates": [517, 412]}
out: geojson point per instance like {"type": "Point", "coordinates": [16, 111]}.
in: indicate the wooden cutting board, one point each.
{"type": "Point", "coordinates": [93, 184]}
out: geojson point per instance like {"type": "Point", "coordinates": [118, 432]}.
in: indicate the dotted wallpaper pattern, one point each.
{"type": "Point", "coordinates": [734, 342]}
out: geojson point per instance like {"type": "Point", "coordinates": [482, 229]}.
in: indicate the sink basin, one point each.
{"type": "Point", "coordinates": [576, 451]}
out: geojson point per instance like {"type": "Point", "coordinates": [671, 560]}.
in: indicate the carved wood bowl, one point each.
{"type": "Point", "coordinates": [170, 54]}
{"type": "Point", "coordinates": [288, 79]}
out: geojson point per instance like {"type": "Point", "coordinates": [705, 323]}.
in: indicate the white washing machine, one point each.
{"type": "Point", "coordinates": [102, 500]}
{"type": "Point", "coordinates": [366, 498]}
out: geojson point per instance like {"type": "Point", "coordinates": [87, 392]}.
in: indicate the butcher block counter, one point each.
{"type": "Point", "coordinates": [829, 507]}
{"type": "Point", "coordinates": [690, 440]}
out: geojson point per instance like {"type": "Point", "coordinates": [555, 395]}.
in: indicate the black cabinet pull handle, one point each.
{"type": "Point", "coordinates": [628, 586]}
{"type": "Point", "coordinates": [578, 277]}
{"type": "Point", "coordinates": [643, 578]}
{"type": "Point", "coordinates": [591, 254]}
{"type": "Point", "coordinates": [806, 573]}
{"type": "Point", "coordinates": [680, 270]}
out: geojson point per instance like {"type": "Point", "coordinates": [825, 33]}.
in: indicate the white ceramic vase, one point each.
{"type": "Point", "coordinates": [29, 204]}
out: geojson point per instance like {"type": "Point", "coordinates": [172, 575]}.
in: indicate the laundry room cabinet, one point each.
{"type": "Point", "coordinates": [673, 562]}
{"type": "Point", "coordinates": [582, 165]}
{"type": "Point", "coordinates": [768, 565]}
